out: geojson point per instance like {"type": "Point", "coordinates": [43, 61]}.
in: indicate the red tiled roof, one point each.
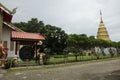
{"type": "Point", "coordinates": [26, 36]}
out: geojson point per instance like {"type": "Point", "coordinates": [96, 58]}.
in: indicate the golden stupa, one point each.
{"type": "Point", "coordinates": [102, 31]}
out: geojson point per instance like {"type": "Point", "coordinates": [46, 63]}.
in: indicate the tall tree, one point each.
{"type": "Point", "coordinates": [55, 36]}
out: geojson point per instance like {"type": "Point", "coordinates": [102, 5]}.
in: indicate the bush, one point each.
{"type": "Point", "coordinates": [104, 54]}
{"type": "Point", "coordinates": [112, 54]}
{"type": "Point", "coordinates": [9, 63]}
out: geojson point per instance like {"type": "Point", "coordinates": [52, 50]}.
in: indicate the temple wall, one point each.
{"type": "Point", "coordinates": [6, 41]}
{"type": "Point", "coordinates": [1, 22]}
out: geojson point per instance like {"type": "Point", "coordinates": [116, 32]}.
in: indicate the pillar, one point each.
{"type": "Point", "coordinates": [15, 56]}
{"type": "Point", "coordinates": [1, 24]}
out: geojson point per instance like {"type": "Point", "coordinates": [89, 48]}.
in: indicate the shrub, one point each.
{"type": "Point", "coordinates": [112, 54]}
{"type": "Point", "coordinates": [9, 63]}
{"type": "Point", "coordinates": [104, 54]}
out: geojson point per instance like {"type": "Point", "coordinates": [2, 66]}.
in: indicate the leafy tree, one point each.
{"type": "Point", "coordinates": [77, 42]}
{"type": "Point", "coordinates": [73, 44]}
{"type": "Point", "coordinates": [91, 40]}
{"type": "Point", "coordinates": [55, 36]}
{"type": "Point", "coordinates": [21, 25]}
{"type": "Point", "coordinates": [55, 39]}
{"type": "Point", "coordinates": [83, 41]}
{"type": "Point", "coordinates": [33, 25]}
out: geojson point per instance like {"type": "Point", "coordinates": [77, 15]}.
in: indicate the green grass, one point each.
{"type": "Point", "coordinates": [56, 60]}
{"type": "Point", "coordinates": [72, 58]}
{"type": "Point", "coordinates": [61, 60]}
{"type": "Point", "coordinates": [29, 68]}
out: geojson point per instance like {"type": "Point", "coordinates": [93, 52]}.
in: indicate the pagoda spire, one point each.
{"type": "Point", "coordinates": [101, 16]}
{"type": "Point", "coordinates": [102, 31]}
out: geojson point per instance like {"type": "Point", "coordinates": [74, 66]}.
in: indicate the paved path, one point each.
{"type": "Point", "coordinates": [108, 70]}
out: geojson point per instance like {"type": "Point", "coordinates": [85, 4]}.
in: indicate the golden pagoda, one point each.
{"type": "Point", "coordinates": [102, 31]}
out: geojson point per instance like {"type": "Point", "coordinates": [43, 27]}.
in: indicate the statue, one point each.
{"type": "Point", "coordinates": [41, 56]}
{"type": "Point", "coordinates": [3, 55]}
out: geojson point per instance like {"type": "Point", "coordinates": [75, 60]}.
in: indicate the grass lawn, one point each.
{"type": "Point", "coordinates": [73, 58]}
{"type": "Point", "coordinates": [62, 59]}
{"type": "Point", "coordinates": [29, 68]}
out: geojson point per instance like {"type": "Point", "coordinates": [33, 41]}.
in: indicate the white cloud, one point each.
{"type": "Point", "coordinates": [73, 16]}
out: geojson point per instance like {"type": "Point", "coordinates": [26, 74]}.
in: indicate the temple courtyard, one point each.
{"type": "Point", "coordinates": [88, 70]}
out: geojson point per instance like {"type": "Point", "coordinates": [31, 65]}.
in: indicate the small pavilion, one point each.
{"type": "Point", "coordinates": [25, 38]}
{"type": "Point", "coordinates": [11, 36]}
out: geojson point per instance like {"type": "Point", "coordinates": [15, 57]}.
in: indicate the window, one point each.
{"type": "Point", "coordinates": [11, 46]}
{"type": "Point", "coordinates": [5, 44]}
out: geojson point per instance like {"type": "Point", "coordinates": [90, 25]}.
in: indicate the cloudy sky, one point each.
{"type": "Point", "coordinates": [73, 16]}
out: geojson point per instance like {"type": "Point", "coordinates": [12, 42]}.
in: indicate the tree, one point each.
{"type": "Point", "coordinates": [77, 42]}
{"type": "Point", "coordinates": [91, 40]}
{"type": "Point", "coordinates": [55, 37]}
{"type": "Point", "coordinates": [33, 25]}
{"type": "Point", "coordinates": [83, 41]}
{"type": "Point", "coordinates": [73, 45]}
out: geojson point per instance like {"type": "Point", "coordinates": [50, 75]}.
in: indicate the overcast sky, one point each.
{"type": "Point", "coordinates": [73, 16]}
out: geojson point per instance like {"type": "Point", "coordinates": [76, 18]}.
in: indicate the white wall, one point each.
{"type": "Point", "coordinates": [6, 36]}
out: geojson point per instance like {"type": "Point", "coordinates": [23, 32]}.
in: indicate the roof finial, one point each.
{"type": "Point", "coordinates": [6, 9]}
{"type": "Point", "coordinates": [14, 11]}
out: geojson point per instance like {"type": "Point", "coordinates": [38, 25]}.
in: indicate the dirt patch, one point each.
{"type": "Point", "coordinates": [115, 75]}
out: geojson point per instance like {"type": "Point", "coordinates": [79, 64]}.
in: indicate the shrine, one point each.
{"type": "Point", "coordinates": [12, 39]}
